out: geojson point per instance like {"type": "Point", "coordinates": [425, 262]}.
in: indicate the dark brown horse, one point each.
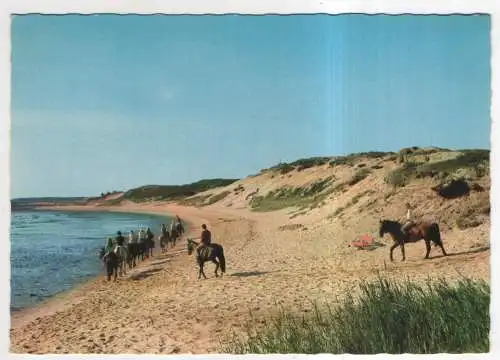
{"type": "Point", "coordinates": [174, 235]}
{"type": "Point", "coordinates": [423, 230]}
{"type": "Point", "coordinates": [211, 253]}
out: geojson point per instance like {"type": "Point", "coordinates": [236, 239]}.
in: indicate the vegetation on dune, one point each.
{"type": "Point", "coordinates": [198, 200]}
{"type": "Point", "coordinates": [359, 176]}
{"type": "Point", "coordinates": [287, 196]}
{"type": "Point", "coordinates": [306, 163]}
{"type": "Point", "coordinates": [174, 192]}
{"type": "Point", "coordinates": [352, 158]}
{"type": "Point", "coordinates": [387, 317]}
{"type": "Point", "coordinates": [474, 215]}
{"type": "Point", "coordinates": [218, 197]}
{"type": "Point", "coordinates": [104, 194]}
{"type": "Point", "coordinates": [299, 165]}
{"type": "Point", "coordinates": [471, 164]}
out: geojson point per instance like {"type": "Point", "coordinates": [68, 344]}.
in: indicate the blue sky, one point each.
{"type": "Point", "coordinates": [112, 102]}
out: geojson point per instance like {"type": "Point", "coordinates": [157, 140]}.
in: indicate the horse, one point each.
{"type": "Point", "coordinates": [214, 252]}
{"type": "Point", "coordinates": [180, 229]}
{"type": "Point", "coordinates": [142, 249]}
{"type": "Point", "coordinates": [122, 253]}
{"type": "Point", "coordinates": [173, 237]}
{"type": "Point", "coordinates": [163, 239]}
{"type": "Point", "coordinates": [132, 253]}
{"type": "Point", "coordinates": [110, 260]}
{"type": "Point", "coordinates": [423, 230]}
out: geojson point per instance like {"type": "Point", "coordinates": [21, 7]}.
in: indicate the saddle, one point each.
{"type": "Point", "coordinates": [205, 251]}
{"type": "Point", "coordinates": [412, 232]}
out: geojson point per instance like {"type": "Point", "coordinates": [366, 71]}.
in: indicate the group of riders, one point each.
{"type": "Point", "coordinates": [140, 245]}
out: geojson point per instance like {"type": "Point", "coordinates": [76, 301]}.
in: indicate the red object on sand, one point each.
{"type": "Point", "coordinates": [363, 241]}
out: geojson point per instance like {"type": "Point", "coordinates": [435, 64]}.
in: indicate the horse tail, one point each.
{"type": "Point", "coordinates": [436, 237]}
{"type": "Point", "coordinates": [222, 260]}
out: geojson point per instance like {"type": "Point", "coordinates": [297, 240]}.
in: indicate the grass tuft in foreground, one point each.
{"type": "Point", "coordinates": [387, 317]}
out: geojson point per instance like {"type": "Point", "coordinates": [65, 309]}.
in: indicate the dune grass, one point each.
{"type": "Point", "coordinates": [387, 317]}
{"type": "Point", "coordinates": [309, 196]}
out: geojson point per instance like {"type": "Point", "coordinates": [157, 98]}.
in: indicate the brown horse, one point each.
{"type": "Point", "coordinates": [422, 230]}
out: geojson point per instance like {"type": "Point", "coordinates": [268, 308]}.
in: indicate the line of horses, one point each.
{"type": "Point", "coordinates": [116, 261]}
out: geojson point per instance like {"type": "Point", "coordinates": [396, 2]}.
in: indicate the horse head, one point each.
{"type": "Point", "coordinates": [191, 245]}
{"type": "Point", "coordinates": [382, 227]}
{"type": "Point", "coordinates": [389, 226]}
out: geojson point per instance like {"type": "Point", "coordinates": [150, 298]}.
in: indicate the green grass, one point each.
{"type": "Point", "coordinates": [307, 163]}
{"type": "Point", "coordinates": [303, 197]}
{"type": "Point", "coordinates": [214, 198]}
{"type": "Point", "coordinates": [359, 176]}
{"type": "Point", "coordinates": [472, 162]}
{"type": "Point", "coordinates": [352, 158]}
{"type": "Point", "coordinates": [387, 317]}
{"type": "Point", "coordinates": [198, 200]}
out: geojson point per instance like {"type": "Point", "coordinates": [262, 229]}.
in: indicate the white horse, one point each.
{"type": "Point", "coordinates": [122, 253]}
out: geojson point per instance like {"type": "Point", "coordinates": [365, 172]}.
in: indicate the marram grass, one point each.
{"type": "Point", "coordinates": [388, 317]}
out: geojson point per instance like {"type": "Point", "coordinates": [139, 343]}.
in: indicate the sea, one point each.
{"type": "Point", "coordinates": [54, 251]}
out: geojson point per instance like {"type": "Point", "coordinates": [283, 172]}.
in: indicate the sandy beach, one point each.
{"type": "Point", "coordinates": [160, 307]}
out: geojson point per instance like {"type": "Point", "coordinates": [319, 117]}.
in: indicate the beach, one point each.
{"type": "Point", "coordinates": [161, 308]}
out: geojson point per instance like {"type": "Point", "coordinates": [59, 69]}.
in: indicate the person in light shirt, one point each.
{"type": "Point", "coordinates": [132, 238]}
{"type": "Point", "coordinates": [409, 220]}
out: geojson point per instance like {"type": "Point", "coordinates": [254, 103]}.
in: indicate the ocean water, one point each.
{"type": "Point", "coordinates": [53, 251]}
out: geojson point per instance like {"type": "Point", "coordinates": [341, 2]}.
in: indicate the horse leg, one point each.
{"type": "Point", "coordinates": [201, 269]}
{"type": "Point", "coordinates": [442, 249]}
{"type": "Point", "coordinates": [392, 249]}
{"type": "Point", "coordinates": [427, 248]}
{"type": "Point", "coordinates": [403, 250]}
{"type": "Point", "coordinates": [200, 265]}
{"type": "Point", "coordinates": [216, 267]}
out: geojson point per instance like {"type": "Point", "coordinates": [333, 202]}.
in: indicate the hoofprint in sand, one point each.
{"type": "Point", "coordinates": [161, 307]}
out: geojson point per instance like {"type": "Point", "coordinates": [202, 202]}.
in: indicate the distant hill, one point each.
{"type": "Point", "coordinates": [32, 202]}
{"type": "Point", "coordinates": [174, 192]}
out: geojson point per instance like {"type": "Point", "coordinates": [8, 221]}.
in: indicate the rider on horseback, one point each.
{"type": "Point", "coordinates": [149, 234]}
{"type": "Point", "coordinates": [132, 238]}
{"type": "Point", "coordinates": [206, 238]}
{"type": "Point", "coordinates": [119, 238]}
{"type": "Point", "coordinates": [109, 248]}
{"type": "Point", "coordinates": [409, 221]}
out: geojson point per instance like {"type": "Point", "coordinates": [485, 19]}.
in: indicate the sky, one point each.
{"type": "Point", "coordinates": [108, 102]}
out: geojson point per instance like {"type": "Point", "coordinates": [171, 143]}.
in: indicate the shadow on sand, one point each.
{"type": "Point", "coordinates": [473, 251]}
{"type": "Point", "coordinates": [373, 246]}
{"type": "Point", "coordinates": [159, 262]}
{"type": "Point", "coordinates": [145, 274]}
{"type": "Point", "coordinates": [251, 273]}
